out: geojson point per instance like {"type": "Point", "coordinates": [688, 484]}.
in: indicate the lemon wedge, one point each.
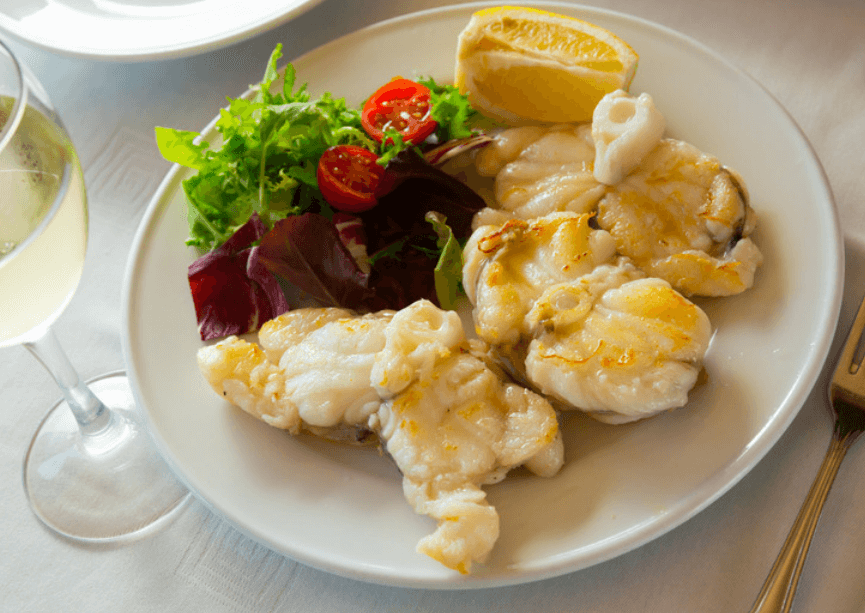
{"type": "Point", "coordinates": [521, 65]}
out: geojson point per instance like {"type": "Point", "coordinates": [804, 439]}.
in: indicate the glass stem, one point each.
{"type": "Point", "coordinates": [92, 416]}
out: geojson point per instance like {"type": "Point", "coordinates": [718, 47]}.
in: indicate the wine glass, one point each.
{"type": "Point", "coordinates": [91, 472]}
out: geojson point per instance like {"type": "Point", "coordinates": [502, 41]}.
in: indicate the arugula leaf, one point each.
{"type": "Point", "coordinates": [271, 73]}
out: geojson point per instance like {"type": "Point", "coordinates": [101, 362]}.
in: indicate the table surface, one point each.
{"type": "Point", "coordinates": [809, 54]}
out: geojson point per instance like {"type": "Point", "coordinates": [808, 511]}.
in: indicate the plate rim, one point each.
{"type": "Point", "coordinates": [685, 508]}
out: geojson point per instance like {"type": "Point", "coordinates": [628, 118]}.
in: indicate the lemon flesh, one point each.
{"type": "Point", "coordinates": [521, 65]}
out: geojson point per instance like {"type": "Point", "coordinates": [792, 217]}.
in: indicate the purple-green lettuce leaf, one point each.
{"type": "Point", "coordinates": [232, 290]}
{"type": "Point", "coordinates": [306, 251]}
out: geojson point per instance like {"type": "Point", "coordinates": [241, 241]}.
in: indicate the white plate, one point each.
{"type": "Point", "coordinates": [342, 510]}
{"type": "Point", "coordinates": [142, 29]}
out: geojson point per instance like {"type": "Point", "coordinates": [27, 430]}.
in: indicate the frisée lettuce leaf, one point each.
{"type": "Point", "coordinates": [451, 110]}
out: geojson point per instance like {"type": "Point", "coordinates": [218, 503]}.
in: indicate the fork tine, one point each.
{"type": "Point", "coordinates": [847, 366]}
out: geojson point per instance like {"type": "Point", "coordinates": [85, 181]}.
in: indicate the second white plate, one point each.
{"type": "Point", "coordinates": [142, 29]}
{"type": "Point", "coordinates": [342, 509]}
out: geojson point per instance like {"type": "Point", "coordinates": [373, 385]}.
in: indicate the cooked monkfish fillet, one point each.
{"type": "Point", "coordinates": [619, 350]}
{"type": "Point", "coordinates": [444, 416]}
{"type": "Point", "coordinates": [451, 432]}
{"type": "Point", "coordinates": [583, 325]}
{"type": "Point", "coordinates": [540, 170]}
{"type": "Point", "coordinates": [676, 212]}
{"type": "Point", "coordinates": [683, 217]}
{"type": "Point", "coordinates": [507, 267]}
{"type": "Point", "coordinates": [311, 372]}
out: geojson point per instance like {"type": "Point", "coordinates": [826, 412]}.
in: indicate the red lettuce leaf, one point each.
{"type": "Point", "coordinates": [410, 189]}
{"type": "Point", "coordinates": [406, 275]}
{"type": "Point", "coordinates": [403, 244]}
{"type": "Point", "coordinates": [232, 290]}
{"type": "Point", "coordinates": [306, 251]}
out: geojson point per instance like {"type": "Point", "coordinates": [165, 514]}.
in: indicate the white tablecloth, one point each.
{"type": "Point", "coordinates": [810, 54]}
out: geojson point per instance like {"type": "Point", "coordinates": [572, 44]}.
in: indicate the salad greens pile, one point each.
{"type": "Point", "coordinates": [270, 149]}
{"type": "Point", "coordinates": [265, 172]}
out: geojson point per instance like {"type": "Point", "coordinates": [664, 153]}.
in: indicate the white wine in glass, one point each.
{"type": "Point", "coordinates": [91, 472]}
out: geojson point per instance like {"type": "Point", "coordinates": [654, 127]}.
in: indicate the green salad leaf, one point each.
{"type": "Point", "coordinates": [448, 273]}
{"type": "Point", "coordinates": [451, 110]}
{"type": "Point", "coordinates": [180, 147]}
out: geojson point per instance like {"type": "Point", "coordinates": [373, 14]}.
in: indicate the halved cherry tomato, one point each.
{"type": "Point", "coordinates": [348, 177]}
{"type": "Point", "coordinates": [401, 105]}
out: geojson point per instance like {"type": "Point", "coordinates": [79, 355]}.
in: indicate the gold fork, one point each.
{"type": "Point", "coordinates": [847, 399]}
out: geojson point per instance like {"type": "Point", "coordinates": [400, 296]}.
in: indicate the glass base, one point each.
{"type": "Point", "coordinates": [106, 487]}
